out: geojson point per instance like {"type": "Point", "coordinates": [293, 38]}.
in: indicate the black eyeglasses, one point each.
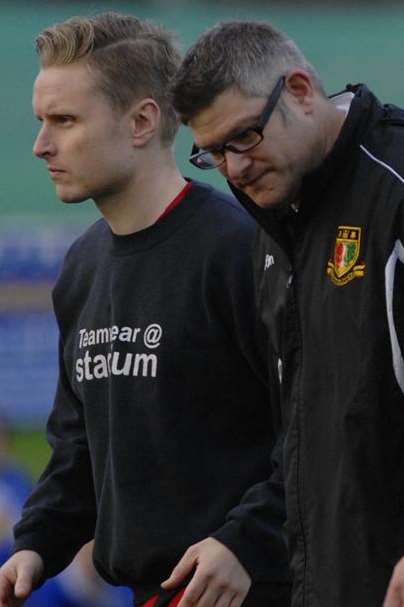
{"type": "Point", "coordinates": [242, 142]}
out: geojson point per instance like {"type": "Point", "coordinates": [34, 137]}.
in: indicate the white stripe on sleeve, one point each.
{"type": "Point", "coordinates": [398, 363]}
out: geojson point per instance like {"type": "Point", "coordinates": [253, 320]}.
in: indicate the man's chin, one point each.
{"type": "Point", "coordinates": [70, 198]}
{"type": "Point", "coordinates": [265, 198]}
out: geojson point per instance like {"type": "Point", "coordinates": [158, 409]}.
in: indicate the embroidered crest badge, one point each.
{"type": "Point", "coordinates": [344, 267]}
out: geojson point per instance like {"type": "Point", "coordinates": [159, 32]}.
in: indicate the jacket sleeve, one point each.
{"type": "Point", "coordinates": [394, 273]}
{"type": "Point", "coordinates": [254, 528]}
{"type": "Point", "coordinates": [59, 516]}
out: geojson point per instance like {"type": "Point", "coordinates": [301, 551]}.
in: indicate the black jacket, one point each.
{"type": "Point", "coordinates": [331, 291]}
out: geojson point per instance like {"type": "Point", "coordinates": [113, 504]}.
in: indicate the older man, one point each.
{"type": "Point", "coordinates": [324, 177]}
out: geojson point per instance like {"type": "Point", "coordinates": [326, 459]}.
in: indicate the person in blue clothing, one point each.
{"type": "Point", "coordinates": [79, 585]}
{"type": "Point", "coordinates": [15, 487]}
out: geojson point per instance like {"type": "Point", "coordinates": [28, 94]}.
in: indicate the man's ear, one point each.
{"type": "Point", "coordinates": [145, 121]}
{"type": "Point", "coordinates": [300, 88]}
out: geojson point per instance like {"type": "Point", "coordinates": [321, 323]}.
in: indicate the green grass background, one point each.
{"type": "Point", "coordinates": [30, 449]}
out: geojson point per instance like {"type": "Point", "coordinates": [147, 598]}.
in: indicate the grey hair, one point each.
{"type": "Point", "coordinates": [248, 55]}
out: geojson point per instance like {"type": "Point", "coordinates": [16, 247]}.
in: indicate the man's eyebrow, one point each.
{"type": "Point", "coordinates": [244, 124]}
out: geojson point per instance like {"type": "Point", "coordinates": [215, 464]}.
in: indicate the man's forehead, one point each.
{"type": "Point", "coordinates": [66, 83]}
{"type": "Point", "coordinates": [73, 77]}
{"type": "Point", "coordinates": [230, 112]}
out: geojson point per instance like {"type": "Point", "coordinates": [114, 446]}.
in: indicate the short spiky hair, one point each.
{"type": "Point", "coordinates": [131, 59]}
{"type": "Point", "coordinates": [248, 55]}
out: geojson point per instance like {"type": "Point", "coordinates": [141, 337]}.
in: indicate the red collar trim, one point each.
{"type": "Point", "coordinates": [174, 203]}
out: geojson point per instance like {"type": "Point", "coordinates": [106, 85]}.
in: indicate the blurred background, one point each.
{"type": "Point", "coordinates": [346, 42]}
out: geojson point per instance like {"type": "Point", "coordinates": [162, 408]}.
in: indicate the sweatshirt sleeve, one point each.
{"type": "Point", "coordinates": [254, 528]}
{"type": "Point", "coordinates": [59, 516]}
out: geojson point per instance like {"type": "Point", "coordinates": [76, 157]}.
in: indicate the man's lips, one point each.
{"type": "Point", "coordinates": [251, 182]}
{"type": "Point", "coordinates": [55, 171]}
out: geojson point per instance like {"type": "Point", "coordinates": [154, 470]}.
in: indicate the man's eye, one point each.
{"type": "Point", "coordinates": [64, 119]}
{"type": "Point", "coordinates": [245, 138]}
{"type": "Point", "coordinates": [216, 154]}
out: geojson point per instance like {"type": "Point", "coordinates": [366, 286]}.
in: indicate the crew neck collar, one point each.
{"type": "Point", "coordinates": [163, 228]}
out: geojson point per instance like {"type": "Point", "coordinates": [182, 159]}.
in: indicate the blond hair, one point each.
{"type": "Point", "coordinates": [131, 59]}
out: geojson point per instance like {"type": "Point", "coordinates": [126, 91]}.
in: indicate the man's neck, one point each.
{"type": "Point", "coordinates": [331, 120]}
{"type": "Point", "coordinates": [335, 120]}
{"type": "Point", "coordinates": [144, 199]}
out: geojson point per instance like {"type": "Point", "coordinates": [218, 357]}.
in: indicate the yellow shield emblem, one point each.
{"type": "Point", "coordinates": [343, 267]}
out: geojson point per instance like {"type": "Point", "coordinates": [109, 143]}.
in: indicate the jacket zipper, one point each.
{"type": "Point", "coordinates": [299, 413]}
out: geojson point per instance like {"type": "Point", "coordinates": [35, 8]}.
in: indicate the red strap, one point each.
{"type": "Point", "coordinates": [173, 603]}
{"type": "Point", "coordinates": [150, 602]}
{"type": "Point", "coordinates": [172, 206]}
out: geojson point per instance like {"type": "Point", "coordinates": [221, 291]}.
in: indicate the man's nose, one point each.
{"type": "Point", "coordinates": [43, 145]}
{"type": "Point", "coordinates": [236, 165]}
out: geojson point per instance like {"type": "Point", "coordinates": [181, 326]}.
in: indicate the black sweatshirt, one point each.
{"type": "Point", "coordinates": [162, 420]}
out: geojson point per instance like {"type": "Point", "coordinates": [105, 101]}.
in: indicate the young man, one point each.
{"type": "Point", "coordinates": [161, 428]}
{"type": "Point", "coordinates": [325, 180]}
